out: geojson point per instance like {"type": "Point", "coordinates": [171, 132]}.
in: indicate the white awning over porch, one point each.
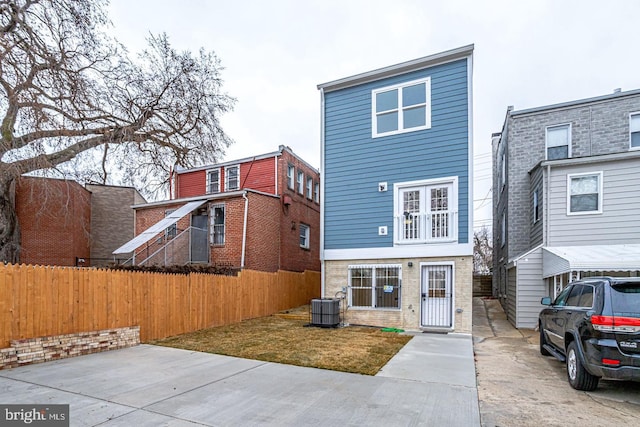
{"type": "Point", "coordinates": [158, 227]}
{"type": "Point", "coordinates": [565, 259]}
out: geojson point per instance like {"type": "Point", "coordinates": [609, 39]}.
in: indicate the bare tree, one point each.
{"type": "Point", "coordinates": [482, 251]}
{"type": "Point", "coordinates": [70, 93]}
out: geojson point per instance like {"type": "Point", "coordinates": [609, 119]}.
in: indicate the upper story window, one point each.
{"type": "Point", "coordinates": [634, 130]}
{"type": "Point", "coordinates": [426, 211]}
{"type": "Point", "coordinates": [232, 178]}
{"type": "Point", "coordinates": [291, 172]}
{"type": "Point", "coordinates": [558, 142]}
{"type": "Point", "coordinates": [536, 205]}
{"type": "Point", "coordinates": [503, 169]}
{"type": "Point", "coordinates": [300, 182]}
{"type": "Point", "coordinates": [401, 108]}
{"type": "Point", "coordinates": [584, 193]}
{"type": "Point", "coordinates": [309, 187]}
{"type": "Point", "coordinates": [304, 236]}
{"type": "Point", "coordinates": [217, 224]}
{"type": "Point", "coordinates": [213, 181]}
{"type": "Point", "coordinates": [316, 192]}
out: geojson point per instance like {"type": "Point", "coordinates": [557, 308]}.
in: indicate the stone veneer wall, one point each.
{"type": "Point", "coordinates": [44, 349]}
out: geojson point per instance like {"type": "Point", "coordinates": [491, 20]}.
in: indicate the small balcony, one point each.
{"type": "Point", "coordinates": [423, 228]}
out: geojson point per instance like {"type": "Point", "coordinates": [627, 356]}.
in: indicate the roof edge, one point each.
{"type": "Point", "coordinates": [401, 68]}
{"type": "Point", "coordinates": [574, 103]}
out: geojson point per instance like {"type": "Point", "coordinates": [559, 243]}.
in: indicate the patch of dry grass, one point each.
{"type": "Point", "coordinates": [354, 349]}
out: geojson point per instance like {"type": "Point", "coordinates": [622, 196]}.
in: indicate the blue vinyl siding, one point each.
{"type": "Point", "coordinates": [355, 162]}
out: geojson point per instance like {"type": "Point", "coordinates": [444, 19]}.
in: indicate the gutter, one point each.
{"type": "Point", "coordinates": [244, 228]}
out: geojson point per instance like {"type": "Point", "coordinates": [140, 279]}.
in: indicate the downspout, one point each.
{"type": "Point", "coordinates": [546, 207]}
{"type": "Point", "coordinates": [244, 227]}
{"type": "Point", "coordinates": [322, 170]}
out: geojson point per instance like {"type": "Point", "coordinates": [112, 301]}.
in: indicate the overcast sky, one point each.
{"type": "Point", "coordinates": [527, 54]}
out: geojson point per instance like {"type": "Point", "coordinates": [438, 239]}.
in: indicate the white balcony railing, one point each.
{"type": "Point", "coordinates": [434, 227]}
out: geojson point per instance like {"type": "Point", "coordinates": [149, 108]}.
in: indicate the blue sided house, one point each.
{"type": "Point", "coordinates": [396, 218]}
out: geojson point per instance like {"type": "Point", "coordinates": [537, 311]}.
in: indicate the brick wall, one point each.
{"type": "Point", "coordinates": [44, 349]}
{"type": "Point", "coordinates": [263, 235]}
{"type": "Point", "coordinates": [231, 252]}
{"type": "Point", "coordinates": [55, 221]}
{"type": "Point", "coordinates": [112, 220]}
{"type": "Point", "coordinates": [301, 210]}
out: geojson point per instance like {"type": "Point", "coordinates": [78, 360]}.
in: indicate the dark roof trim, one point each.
{"type": "Point", "coordinates": [394, 70]}
{"type": "Point", "coordinates": [575, 103]}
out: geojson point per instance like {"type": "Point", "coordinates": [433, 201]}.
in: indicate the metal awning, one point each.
{"type": "Point", "coordinates": [158, 227]}
{"type": "Point", "coordinates": [564, 259]}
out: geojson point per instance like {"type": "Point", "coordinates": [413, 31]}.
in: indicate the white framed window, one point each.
{"type": "Point", "coordinates": [217, 224]}
{"type": "Point", "coordinates": [584, 193]}
{"type": "Point", "coordinates": [503, 230]}
{"type": "Point", "coordinates": [375, 286]}
{"type": "Point", "coordinates": [426, 211]}
{"type": "Point", "coordinates": [213, 181]}
{"type": "Point", "coordinates": [171, 231]}
{"type": "Point", "coordinates": [536, 205]}
{"type": "Point", "coordinates": [316, 192]}
{"type": "Point", "coordinates": [232, 178]}
{"type": "Point", "coordinates": [304, 236]}
{"type": "Point", "coordinates": [558, 142]}
{"type": "Point", "coordinates": [291, 172]}
{"type": "Point", "coordinates": [401, 108]}
{"type": "Point", "coordinates": [309, 188]}
{"type": "Point", "coordinates": [634, 131]}
{"type": "Point", "coordinates": [300, 182]}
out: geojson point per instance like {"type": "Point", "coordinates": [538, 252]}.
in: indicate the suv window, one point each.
{"type": "Point", "coordinates": [561, 299]}
{"type": "Point", "coordinates": [625, 299]}
{"type": "Point", "coordinates": [574, 296]}
{"type": "Point", "coordinates": [586, 300]}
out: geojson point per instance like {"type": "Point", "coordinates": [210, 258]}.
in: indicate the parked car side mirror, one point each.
{"type": "Point", "coordinates": [545, 301]}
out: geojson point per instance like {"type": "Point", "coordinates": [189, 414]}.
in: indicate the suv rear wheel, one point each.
{"type": "Point", "coordinates": [578, 377]}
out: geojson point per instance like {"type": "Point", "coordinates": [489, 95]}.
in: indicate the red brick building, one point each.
{"type": "Point", "coordinates": [261, 213]}
{"type": "Point", "coordinates": [54, 216]}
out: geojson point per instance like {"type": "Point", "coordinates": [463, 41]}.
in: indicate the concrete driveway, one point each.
{"type": "Point", "coordinates": [431, 381]}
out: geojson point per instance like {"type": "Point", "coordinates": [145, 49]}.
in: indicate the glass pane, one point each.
{"type": "Point", "coordinates": [634, 123]}
{"type": "Point", "coordinates": [386, 101]}
{"type": "Point", "coordinates": [584, 203]}
{"type": "Point", "coordinates": [387, 122]}
{"type": "Point", "coordinates": [412, 201]}
{"type": "Point", "coordinates": [361, 297]}
{"type": "Point", "coordinates": [635, 139]}
{"type": "Point", "coordinates": [414, 117]}
{"type": "Point", "coordinates": [584, 185]}
{"type": "Point", "coordinates": [557, 136]}
{"type": "Point", "coordinates": [557, 153]}
{"type": "Point", "coordinates": [439, 199]}
{"type": "Point", "coordinates": [412, 95]}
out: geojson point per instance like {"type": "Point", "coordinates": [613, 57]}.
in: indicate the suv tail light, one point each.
{"type": "Point", "coordinates": [616, 324]}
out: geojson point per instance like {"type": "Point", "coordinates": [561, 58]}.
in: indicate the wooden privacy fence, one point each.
{"type": "Point", "coordinates": [41, 301]}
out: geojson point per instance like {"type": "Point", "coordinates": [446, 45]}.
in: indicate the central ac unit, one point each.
{"type": "Point", "coordinates": [325, 312]}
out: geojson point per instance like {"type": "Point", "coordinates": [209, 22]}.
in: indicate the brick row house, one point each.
{"type": "Point", "coordinates": [63, 223]}
{"type": "Point", "coordinates": [260, 213]}
{"type": "Point", "coordinates": [566, 198]}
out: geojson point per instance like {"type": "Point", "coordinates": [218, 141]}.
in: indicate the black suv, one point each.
{"type": "Point", "coordinates": [594, 325]}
